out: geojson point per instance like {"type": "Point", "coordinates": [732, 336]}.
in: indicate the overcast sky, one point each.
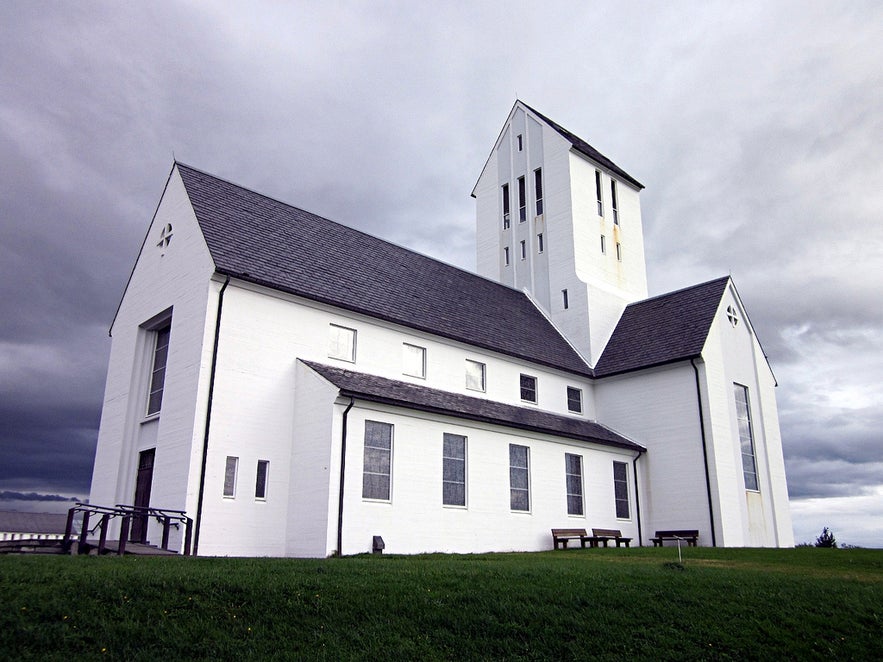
{"type": "Point", "coordinates": [756, 128]}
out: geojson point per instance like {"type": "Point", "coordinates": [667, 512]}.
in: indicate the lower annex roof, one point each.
{"type": "Point", "coordinates": [412, 396]}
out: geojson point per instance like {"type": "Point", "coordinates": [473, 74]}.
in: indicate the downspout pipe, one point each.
{"type": "Point", "coordinates": [208, 416]}
{"type": "Point", "coordinates": [637, 497]}
{"type": "Point", "coordinates": [704, 453]}
{"type": "Point", "coordinates": [342, 475]}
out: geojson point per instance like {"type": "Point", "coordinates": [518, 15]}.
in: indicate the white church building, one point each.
{"type": "Point", "coordinates": [299, 387]}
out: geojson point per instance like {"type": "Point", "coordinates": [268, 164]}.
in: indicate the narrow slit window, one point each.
{"type": "Point", "coordinates": [540, 245]}
{"type": "Point", "coordinates": [573, 474]}
{"type": "Point", "coordinates": [746, 436]}
{"type": "Point", "coordinates": [506, 256]}
{"type": "Point", "coordinates": [621, 489]}
{"type": "Point", "coordinates": [564, 299]}
{"type": "Point", "coordinates": [613, 204]}
{"type": "Point", "coordinates": [538, 189]}
{"type": "Point", "coordinates": [603, 244]}
{"type": "Point", "coordinates": [523, 249]}
{"type": "Point", "coordinates": [520, 142]}
{"type": "Point", "coordinates": [505, 206]}
{"type": "Point", "coordinates": [376, 472]}
{"type": "Point", "coordinates": [158, 374]}
{"type": "Point", "coordinates": [454, 470]}
{"type": "Point", "coordinates": [519, 478]}
{"type": "Point", "coordinates": [260, 485]}
{"type": "Point", "coordinates": [598, 192]}
{"type": "Point", "coordinates": [619, 251]}
{"type": "Point", "coordinates": [522, 201]}
{"type": "Point", "coordinates": [230, 476]}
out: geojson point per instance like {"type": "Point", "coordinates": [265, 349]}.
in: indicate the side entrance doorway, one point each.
{"type": "Point", "coordinates": [142, 494]}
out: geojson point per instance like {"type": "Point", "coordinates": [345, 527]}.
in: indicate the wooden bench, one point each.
{"type": "Point", "coordinates": [603, 536]}
{"type": "Point", "coordinates": [690, 535]}
{"type": "Point", "coordinates": [563, 536]}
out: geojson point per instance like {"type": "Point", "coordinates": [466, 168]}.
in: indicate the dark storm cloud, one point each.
{"type": "Point", "coordinates": [755, 129]}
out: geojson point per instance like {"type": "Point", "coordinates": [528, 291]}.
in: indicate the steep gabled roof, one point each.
{"type": "Point", "coordinates": [258, 239]}
{"type": "Point", "coordinates": [667, 328]}
{"type": "Point", "coordinates": [586, 149]}
{"type": "Point", "coordinates": [412, 396]}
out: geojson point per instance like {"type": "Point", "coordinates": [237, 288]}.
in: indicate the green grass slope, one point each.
{"type": "Point", "coordinates": [804, 603]}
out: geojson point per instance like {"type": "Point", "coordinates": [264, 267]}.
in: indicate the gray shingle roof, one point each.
{"type": "Point", "coordinates": [262, 240]}
{"type": "Point", "coordinates": [585, 148]}
{"type": "Point", "coordinates": [664, 329]}
{"type": "Point", "coordinates": [412, 396]}
{"type": "Point", "coordinates": [13, 521]}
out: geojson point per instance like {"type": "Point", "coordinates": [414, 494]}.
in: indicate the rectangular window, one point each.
{"type": "Point", "coordinates": [260, 483]}
{"type": "Point", "coordinates": [413, 360]}
{"type": "Point", "coordinates": [574, 400]}
{"type": "Point", "coordinates": [158, 374]}
{"type": "Point", "coordinates": [538, 189]}
{"type": "Point", "coordinates": [454, 470]}
{"type": "Point", "coordinates": [377, 462]}
{"type": "Point", "coordinates": [523, 249]}
{"type": "Point", "coordinates": [475, 375]}
{"type": "Point", "coordinates": [342, 343]}
{"type": "Point", "coordinates": [506, 256]}
{"type": "Point", "coordinates": [540, 245]}
{"type": "Point", "coordinates": [619, 251]}
{"type": "Point", "coordinates": [621, 489]}
{"type": "Point", "coordinates": [573, 474]}
{"type": "Point", "coordinates": [613, 204]}
{"type": "Point", "coordinates": [505, 206]}
{"type": "Point", "coordinates": [603, 244]}
{"type": "Point", "coordinates": [522, 201]}
{"type": "Point", "coordinates": [598, 192]}
{"type": "Point", "coordinates": [564, 299]}
{"type": "Point", "coordinates": [520, 142]}
{"type": "Point", "coordinates": [746, 436]}
{"type": "Point", "coordinates": [230, 476]}
{"type": "Point", "coordinates": [528, 388]}
{"type": "Point", "coordinates": [519, 478]}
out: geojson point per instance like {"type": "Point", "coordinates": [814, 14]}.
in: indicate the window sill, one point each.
{"type": "Point", "coordinates": [454, 506]}
{"type": "Point", "coordinates": [151, 418]}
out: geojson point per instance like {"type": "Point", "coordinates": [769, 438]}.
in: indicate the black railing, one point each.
{"type": "Point", "coordinates": [128, 515]}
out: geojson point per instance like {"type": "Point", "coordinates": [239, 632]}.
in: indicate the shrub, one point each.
{"type": "Point", "coordinates": [827, 539]}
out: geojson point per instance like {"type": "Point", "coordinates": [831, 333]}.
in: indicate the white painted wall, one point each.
{"type": "Point", "coordinates": [598, 285]}
{"type": "Point", "coordinates": [732, 354]}
{"type": "Point", "coordinates": [415, 520]}
{"type": "Point", "coordinates": [177, 277]}
{"type": "Point", "coordinates": [266, 409]}
{"type": "Point", "coordinates": [658, 408]}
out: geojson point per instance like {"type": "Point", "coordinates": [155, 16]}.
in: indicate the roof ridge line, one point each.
{"type": "Point", "coordinates": [348, 227]}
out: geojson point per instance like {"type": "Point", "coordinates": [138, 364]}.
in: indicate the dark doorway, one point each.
{"type": "Point", "coordinates": [142, 494]}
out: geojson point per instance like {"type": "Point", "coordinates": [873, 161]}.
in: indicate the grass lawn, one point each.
{"type": "Point", "coordinates": [805, 603]}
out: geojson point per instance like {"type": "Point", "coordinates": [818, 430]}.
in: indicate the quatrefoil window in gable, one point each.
{"type": "Point", "coordinates": [732, 315]}
{"type": "Point", "coordinates": [165, 237]}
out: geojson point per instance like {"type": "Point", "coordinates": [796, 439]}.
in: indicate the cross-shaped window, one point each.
{"type": "Point", "coordinates": [165, 237]}
{"type": "Point", "coordinates": [732, 315]}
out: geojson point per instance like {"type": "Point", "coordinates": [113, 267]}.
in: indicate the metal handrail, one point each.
{"type": "Point", "coordinates": [165, 516]}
